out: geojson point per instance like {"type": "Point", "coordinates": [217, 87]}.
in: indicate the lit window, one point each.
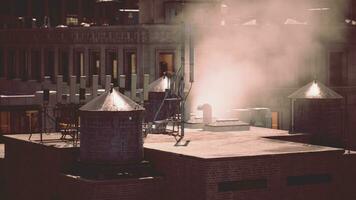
{"type": "Point", "coordinates": [72, 21]}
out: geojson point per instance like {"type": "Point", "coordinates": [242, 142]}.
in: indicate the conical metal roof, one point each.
{"type": "Point", "coordinates": [159, 85]}
{"type": "Point", "coordinates": [315, 90]}
{"type": "Point", "coordinates": [111, 101]}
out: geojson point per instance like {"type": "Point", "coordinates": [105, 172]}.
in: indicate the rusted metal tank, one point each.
{"type": "Point", "coordinates": [111, 130]}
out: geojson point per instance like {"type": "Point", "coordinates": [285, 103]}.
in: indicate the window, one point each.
{"type": "Point", "coordinates": [94, 65]}
{"type": "Point", "coordinates": [63, 65]}
{"type": "Point", "coordinates": [19, 121]}
{"type": "Point", "coordinates": [72, 7]}
{"type": "Point", "coordinates": [130, 67]}
{"type": "Point", "coordinates": [78, 64]}
{"type": "Point", "coordinates": [112, 66]}
{"type": "Point", "coordinates": [166, 63]}
{"type": "Point", "coordinates": [72, 21]}
{"type": "Point", "coordinates": [21, 7]}
{"type": "Point", "coordinates": [254, 184]}
{"type": "Point", "coordinates": [308, 179]}
{"type": "Point", "coordinates": [35, 65]}
{"type": "Point", "coordinates": [54, 12]}
{"type": "Point", "coordinates": [11, 64]}
{"type": "Point", "coordinates": [23, 64]}
{"type": "Point", "coordinates": [49, 63]}
{"type": "Point", "coordinates": [4, 122]}
{"type": "Point", "coordinates": [173, 12]}
{"type": "Point", "coordinates": [336, 68]}
{"type": "Point", "coordinates": [38, 11]}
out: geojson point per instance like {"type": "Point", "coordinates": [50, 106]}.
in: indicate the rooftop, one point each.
{"type": "Point", "coordinates": [255, 142]}
{"type": "Point", "coordinates": [208, 145]}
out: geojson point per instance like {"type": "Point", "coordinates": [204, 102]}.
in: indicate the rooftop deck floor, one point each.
{"type": "Point", "coordinates": [204, 144]}
{"type": "Point", "coordinates": [254, 142]}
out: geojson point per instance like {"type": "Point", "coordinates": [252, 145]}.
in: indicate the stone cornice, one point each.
{"type": "Point", "coordinates": [92, 35]}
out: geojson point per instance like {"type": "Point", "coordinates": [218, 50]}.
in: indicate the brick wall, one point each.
{"type": "Point", "coordinates": [127, 189]}
{"type": "Point", "coordinates": [184, 176]}
{"type": "Point", "coordinates": [2, 179]}
{"type": "Point", "coordinates": [323, 119]}
{"type": "Point", "coordinates": [347, 183]}
{"type": "Point", "coordinates": [194, 178]}
{"type": "Point", "coordinates": [32, 170]}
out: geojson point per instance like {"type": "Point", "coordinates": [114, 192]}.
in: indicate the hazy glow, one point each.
{"type": "Point", "coordinates": [314, 91]}
{"type": "Point", "coordinates": [222, 23]}
{"type": "Point", "coordinates": [236, 66]}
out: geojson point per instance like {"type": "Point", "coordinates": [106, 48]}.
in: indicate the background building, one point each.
{"type": "Point", "coordinates": [84, 38]}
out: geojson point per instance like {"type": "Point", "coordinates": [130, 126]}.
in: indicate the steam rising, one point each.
{"type": "Point", "coordinates": [255, 45]}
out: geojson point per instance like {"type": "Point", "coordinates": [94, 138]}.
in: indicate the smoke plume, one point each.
{"type": "Point", "coordinates": [245, 47]}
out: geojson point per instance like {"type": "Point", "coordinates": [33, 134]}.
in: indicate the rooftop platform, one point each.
{"type": "Point", "coordinates": [254, 142]}
{"type": "Point", "coordinates": [204, 144]}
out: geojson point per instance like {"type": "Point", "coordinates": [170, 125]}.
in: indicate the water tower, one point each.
{"type": "Point", "coordinates": [111, 130]}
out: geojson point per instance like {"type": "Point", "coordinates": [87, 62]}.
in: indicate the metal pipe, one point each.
{"type": "Point", "coordinates": [191, 54]}
{"type": "Point", "coordinates": [181, 88]}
